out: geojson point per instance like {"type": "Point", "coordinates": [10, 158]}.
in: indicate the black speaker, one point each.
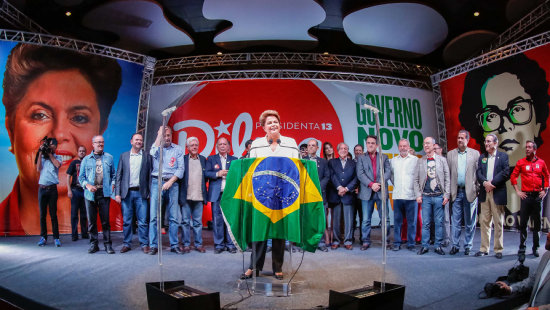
{"type": "Point", "coordinates": [177, 295]}
{"type": "Point", "coordinates": [369, 297]}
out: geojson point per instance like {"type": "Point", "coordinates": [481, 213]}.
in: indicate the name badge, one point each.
{"type": "Point", "coordinates": [484, 160]}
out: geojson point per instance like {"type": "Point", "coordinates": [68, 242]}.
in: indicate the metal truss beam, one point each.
{"type": "Point", "coordinates": [19, 20]}
{"type": "Point", "coordinates": [518, 30]}
{"type": "Point", "coordinates": [308, 59]}
{"type": "Point", "coordinates": [144, 97]}
{"type": "Point", "coordinates": [289, 74]}
{"type": "Point", "coordinates": [77, 45]}
{"type": "Point", "coordinates": [440, 118]}
{"type": "Point", "coordinates": [492, 56]}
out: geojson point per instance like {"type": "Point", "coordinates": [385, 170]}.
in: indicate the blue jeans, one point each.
{"type": "Point", "coordinates": [192, 210]}
{"type": "Point", "coordinates": [348, 211]}
{"type": "Point", "coordinates": [221, 235]}
{"type": "Point", "coordinates": [169, 201]}
{"type": "Point", "coordinates": [432, 207]}
{"type": "Point", "coordinates": [463, 209]}
{"type": "Point", "coordinates": [368, 208]}
{"type": "Point", "coordinates": [134, 203]}
{"type": "Point", "coordinates": [404, 208]}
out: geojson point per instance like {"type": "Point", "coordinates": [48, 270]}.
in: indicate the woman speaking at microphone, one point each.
{"type": "Point", "coordinates": [276, 145]}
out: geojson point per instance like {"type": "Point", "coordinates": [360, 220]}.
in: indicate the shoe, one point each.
{"type": "Point", "coordinates": [153, 251]}
{"type": "Point", "coordinates": [335, 246]}
{"type": "Point", "coordinates": [268, 249]}
{"type": "Point", "coordinates": [422, 251]}
{"type": "Point", "coordinates": [349, 247]}
{"type": "Point", "coordinates": [200, 249]}
{"type": "Point", "coordinates": [245, 276]}
{"type": "Point", "coordinates": [176, 250]}
{"type": "Point", "coordinates": [186, 249]}
{"type": "Point", "coordinates": [125, 249]}
{"type": "Point", "coordinates": [323, 248]}
{"type": "Point", "coordinates": [109, 249]}
{"type": "Point", "coordinates": [535, 252]}
{"type": "Point", "coordinates": [439, 251]}
{"type": "Point", "coordinates": [218, 251]}
{"type": "Point", "coordinates": [86, 236]}
{"type": "Point", "coordinates": [163, 231]}
{"type": "Point", "coordinates": [232, 250]}
{"type": "Point", "coordinates": [466, 252]}
{"type": "Point", "coordinates": [278, 276]}
{"type": "Point", "coordinates": [396, 247]}
{"type": "Point", "coordinates": [480, 253]}
{"type": "Point", "coordinates": [57, 243]}
{"type": "Point", "coordinates": [74, 238]}
{"type": "Point", "coordinates": [146, 249]}
{"type": "Point", "coordinates": [498, 255]}
{"type": "Point", "coordinates": [93, 248]}
{"type": "Point", "coordinates": [42, 242]}
{"type": "Point", "coordinates": [410, 247]}
{"type": "Point", "coordinates": [454, 250]}
{"type": "Point", "coordinates": [364, 247]}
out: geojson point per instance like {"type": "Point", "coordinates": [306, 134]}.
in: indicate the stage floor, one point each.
{"type": "Point", "coordinates": [70, 278]}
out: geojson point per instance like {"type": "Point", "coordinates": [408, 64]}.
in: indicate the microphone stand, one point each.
{"type": "Point", "coordinates": [375, 111]}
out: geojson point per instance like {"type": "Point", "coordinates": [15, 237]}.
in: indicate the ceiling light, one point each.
{"type": "Point", "coordinates": [476, 13]}
{"type": "Point", "coordinates": [219, 53]}
{"type": "Point", "coordinates": [325, 53]}
{"type": "Point", "coordinates": [68, 13]}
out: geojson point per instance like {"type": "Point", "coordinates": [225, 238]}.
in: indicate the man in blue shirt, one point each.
{"type": "Point", "coordinates": [172, 170]}
{"type": "Point", "coordinates": [97, 177]}
{"type": "Point", "coordinates": [48, 167]}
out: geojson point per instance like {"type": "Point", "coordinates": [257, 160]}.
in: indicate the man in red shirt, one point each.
{"type": "Point", "coordinates": [534, 185]}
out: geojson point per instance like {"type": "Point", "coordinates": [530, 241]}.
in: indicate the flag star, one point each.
{"type": "Point", "coordinates": [222, 128]}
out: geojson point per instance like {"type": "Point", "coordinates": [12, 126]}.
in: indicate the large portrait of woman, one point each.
{"type": "Point", "coordinates": [66, 95]}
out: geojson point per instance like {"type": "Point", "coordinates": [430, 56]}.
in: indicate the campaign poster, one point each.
{"type": "Point", "coordinates": [62, 94]}
{"type": "Point", "coordinates": [508, 98]}
{"type": "Point", "coordinates": [328, 111]}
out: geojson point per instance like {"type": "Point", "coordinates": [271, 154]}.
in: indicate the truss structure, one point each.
{"type": "Point", "coordinates": [19, 20]}
{"type": "Point", "coordinates": [306, 59]}
{"type": "Point", "coordinates": [144, 97]}
{"type": "Point", "coordinates": [518, 30]}
{"type": "Point", "coordinates": [289, 74]}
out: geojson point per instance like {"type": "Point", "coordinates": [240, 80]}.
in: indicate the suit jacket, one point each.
{"type": "Point", "coordinates": [441, 174]}
{"type": "Point", "coordinates": [365, 174]}
{"type": "Point", "coordinates": [324, 174]}
{"type": "Point", "coordinates": [122, 178]}
{"type": "Point", "coordinates": [346, 177]}
{"type": "Point", "coordinates": [501, 174]}
{"type": "Point", "coordinates": [530, 284]}
{"type": "Point", "coordinates": [213, 165]}
{"type": "Point", "coordinates": [185, 180]}
{"type": "Point", "coordinates": [471, 185]}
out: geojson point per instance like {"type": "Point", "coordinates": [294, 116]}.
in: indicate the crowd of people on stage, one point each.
{"type": "Point", "coordinates": [437, 193]}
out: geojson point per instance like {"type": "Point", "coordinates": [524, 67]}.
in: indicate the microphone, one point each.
{"type": "Point", "coordinates": [168, 111]}
{"type": "Point", "coordinates": [271, 141]}
{"type": "Point", "coordinates": [371, 107]}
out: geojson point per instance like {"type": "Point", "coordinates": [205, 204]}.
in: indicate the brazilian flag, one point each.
{"type": "Point", "coordinates": [274, 198]}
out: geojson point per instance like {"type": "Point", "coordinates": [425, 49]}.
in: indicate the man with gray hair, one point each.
{"type": "Point", "coordinates": [432, 187]}
{"type": "Point", "coordinates": [492, 173]}
{"type": "Point", "coordinates": [404, 199]}
{"type": "Point", "coordinates": [192, 196]}
{"type": "Point", "coordinates": [462, 167]}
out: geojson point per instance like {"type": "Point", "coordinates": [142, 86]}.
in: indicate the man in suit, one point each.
{"type": "Point", "coordinates": [462, 163]}
{"type": "Point", "coordinates": [369, 175]}
{"type": "Point", "coordinates": [217, 167]}
{"type": "Point", "coordinates": [132, 190]}
{"type": "Point", "coordinates": [537, 284]}
{"type": "Point", "coordinates": [193, 195]}
{"type": "Point", "coordinates": [172, 171]}
{"type": "Point", "coordinates": [344, 180]}
{"type": "Point", "coordinates": [324, 177]}
{"type": "Point", "coordinates": [358, 151]}
{"type": "Point", "coordinates": [492, 173]}
{"type": "Point", "coordinates": [432, 189]}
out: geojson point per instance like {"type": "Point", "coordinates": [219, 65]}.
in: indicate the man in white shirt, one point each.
{"type": "Point", "coordinates": [404, 199]}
